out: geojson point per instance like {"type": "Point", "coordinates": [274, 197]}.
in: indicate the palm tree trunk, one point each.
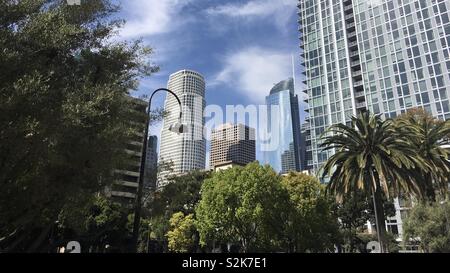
{"type": "Point", "coordinates": [379, 216]}
{"type": "Point", "coordinates": [430, 193]}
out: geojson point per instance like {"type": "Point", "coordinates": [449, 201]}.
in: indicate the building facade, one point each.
{"type": "Point", "coordinates": [385, 56]}
{"type": "Point", "coordinates": [124, 189]}
{"type": "Point", "coordinates": [184, 152]}
{"type": "Point", "coordinates": [285, 154]}
{"type": "Point", "coordinates": [232, 144]}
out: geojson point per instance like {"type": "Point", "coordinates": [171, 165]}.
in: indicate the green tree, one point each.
{"type": "Point", "coordinates": [243, 206]}
{"type": "Point", "coordinates": [429, 225]}
{"type": "Point", "coordinates": [370, 156]}
{"type": "Point", "coordinates": [95, 224]}
{"type": "Point", "coordinates": [311, 227]}
{"type": "Point", "coordinates": [181, 234]}
{"type": "Point", "coordinates": [181, 194]}
{"type": "Point", "coordinates": [63, 109]}
{"type": "Point", "coordinates": [429, 136]}
{"type": "Point", "coordinates": [353, 212]}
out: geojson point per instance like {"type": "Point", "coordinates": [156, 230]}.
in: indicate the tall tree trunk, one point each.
{"type": "Point", "coordinates": [379, 216]}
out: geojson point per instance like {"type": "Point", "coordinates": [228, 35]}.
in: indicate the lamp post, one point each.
{"type": "Point", "coordinates": [178, 128]}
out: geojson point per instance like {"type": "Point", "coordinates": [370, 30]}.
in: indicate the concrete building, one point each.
{"type": "Point", "coordinates": [124, 189]}
{"type": "Point", "coordinates": [232, 144]}
{"type": "Point", "coordinates": [186, 152]}
{"type": "Point", "coordinates": [285, 155]}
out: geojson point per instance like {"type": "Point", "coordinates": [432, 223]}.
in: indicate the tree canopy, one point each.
{"type": "Point", "coordinates": [63, 108]}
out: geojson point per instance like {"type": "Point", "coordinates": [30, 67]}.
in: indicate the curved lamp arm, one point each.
{"type": "Point", "coordinates": [169, 91]}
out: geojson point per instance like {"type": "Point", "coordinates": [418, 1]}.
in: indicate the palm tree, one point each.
{"type": "Point", "coordinates": [369, 156]}
{"type": "Point", "coordinates": [431, 138]}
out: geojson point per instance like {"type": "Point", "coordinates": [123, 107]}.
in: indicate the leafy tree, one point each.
{"type": "Point", "coordinates": [63, 109]}
{"type": "Point", "coordinates": [429, 224]}
{"type": "Point", "coordinates": [429, 136]}
{"type": "Point", "coordinates": [370, 156]}
{"type": "Point", "coordinates": [353, 213]}
{"type": "Point", "coordinates": [311, 227]}
{"type": "Point", "coordinates": [242, 205]}
{"type": "Point", "coordinates": [182, 232]}
{"type": "Point", "coordinates": [181, 194]}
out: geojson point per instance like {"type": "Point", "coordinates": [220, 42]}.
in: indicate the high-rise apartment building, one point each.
{"type": "Point", "coordinates": [385, 56]}
{"type": "Point", "coordinates": [125, 187]}
{"type": "Point", "coordinates": [232, 144]}
{"type": "Point", "coordinates": [285, 153]}
{"type": "Point", "coordinates": [187, 151]}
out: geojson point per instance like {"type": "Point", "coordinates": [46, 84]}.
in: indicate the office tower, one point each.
{"type": "Point", "coordinates": [385, 56]}
{"type": "Point", "coordinates": [151, 162]}
{"type": "Point", "coordinates": [232, 144]}
{"type": "Point", "coordinates": [285, 155]}
{"type": "Point", "coordinates": [125, 187]}
{"type": "Point", "coordinates": [186, 152]}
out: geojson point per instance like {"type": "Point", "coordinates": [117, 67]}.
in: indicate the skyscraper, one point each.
{"type": "Point", "coordinates": [186, 152]}
{"type": "Point", "coordinates": [232, 144]}
{"type": "Point", "coordinates": [286, 156]}
{"type": "Point", "coordinates": [384, 56]}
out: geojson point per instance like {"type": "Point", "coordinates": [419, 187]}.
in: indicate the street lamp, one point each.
{"type": "Point", "coordinates": [177, 128]}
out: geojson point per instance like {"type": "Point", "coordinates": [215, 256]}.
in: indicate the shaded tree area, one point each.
{"type": "Point", "coordinates": [63, 111]}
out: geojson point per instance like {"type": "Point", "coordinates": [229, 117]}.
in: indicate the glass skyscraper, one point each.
{"type": "Point", "coordinates": [385, 56]}
{"type": "Point", "coordinates": [286, 157]}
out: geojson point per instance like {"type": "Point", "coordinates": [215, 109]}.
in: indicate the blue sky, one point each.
{"type": "Point", "coordinates": [242, 47]}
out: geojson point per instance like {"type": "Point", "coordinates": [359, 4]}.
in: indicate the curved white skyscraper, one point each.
{"type": "Point", "coordinates": [186, 151]}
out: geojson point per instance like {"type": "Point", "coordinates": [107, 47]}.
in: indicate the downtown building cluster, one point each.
{"type": "Point", "coordinates": [382, 56]}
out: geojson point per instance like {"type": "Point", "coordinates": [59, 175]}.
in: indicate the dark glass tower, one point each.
{"type": "Point", "coordinates": [285, 134]}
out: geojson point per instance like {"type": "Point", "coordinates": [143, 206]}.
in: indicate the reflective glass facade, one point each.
{"type": "Point", "coordinates": [286, 156]}
{"type": "Point", "coordinates": [382, 55]}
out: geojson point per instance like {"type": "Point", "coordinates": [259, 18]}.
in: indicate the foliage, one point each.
{"type": "Point", "coordinates": [63, 110]}
{"type": "Point", "coordinates": [371, 157]}
{"type": "Point", "coordinates": [354, 212]}
{"type": "Point", "coordinates": [98, 224]}
{"type": "Point", "coordinates": [311, 226]}
{"type": "Point", "coordinates": [181, 234]}
{"type": "Point", "coordinates": [242, 205]}
{"type": "Point", "coordinates": [181, 194]}
{"type": "Point", "coordinates": [429, 224]}
{"type": "Point", "coordinates": [428, 136]}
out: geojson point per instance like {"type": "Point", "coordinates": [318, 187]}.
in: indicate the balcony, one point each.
{"type": "Point", "coordinates": [361, 105]}
{"type": "Point", "coordinates": [359, 94]}
{"type": "Point", "coordinates": [352, 35]}
{"type": "Point", "coordinates": [355, 63]}
{"type": "Point", "coordinates": [350, 18]}
{"type": "Point", "coordinates": [354, 55]}
{"type": "Point", "coordinates": [348, 9]}
{"type": "Point", "coordinates": [358, 84]}
{"type": "Point", "coordinates": [356, 73]}
{"type": "Point", "coordinates": [351, 25]}
{"type": "Point", "coordinates": [353, 44]}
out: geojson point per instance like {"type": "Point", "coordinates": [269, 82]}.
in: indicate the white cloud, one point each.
{"type": "Point", "coordinates": [253, 71]}
{"type": "Point", "coordinates": [279, 10]}
{"type": "Point", "coordinates": [150, 17]}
